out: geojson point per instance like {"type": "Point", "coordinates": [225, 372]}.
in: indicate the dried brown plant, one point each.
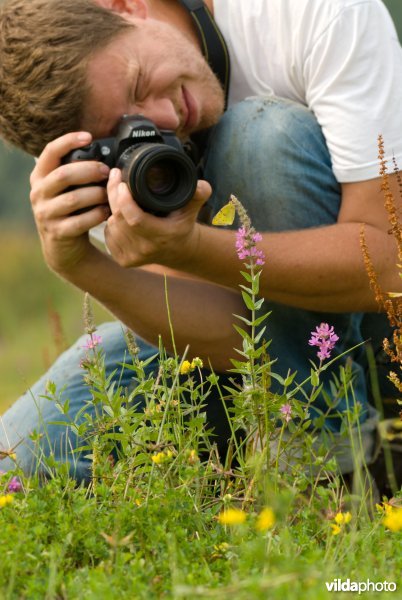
{"type": "Point", "coordinates": [389, 302]}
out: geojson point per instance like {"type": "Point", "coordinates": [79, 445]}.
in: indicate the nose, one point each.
{"type": "Point", "coordinates": [162, 112]}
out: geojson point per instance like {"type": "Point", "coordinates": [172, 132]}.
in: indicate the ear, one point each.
{"type": "Point", "coordinates": [135, 8]}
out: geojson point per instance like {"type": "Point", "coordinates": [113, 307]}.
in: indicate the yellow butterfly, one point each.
{"type": "Point", "coordinates": [226, 215]}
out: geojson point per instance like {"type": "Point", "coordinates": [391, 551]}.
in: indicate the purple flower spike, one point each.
{"type": "Point", "coordinates": [93, 341]}
{"type": "Point", "coordinates": [286, 411]}
{"type": "Point", "coordinates": [246, 239]}
{"type": "Point", "coordinates": [14, 485]}
{"type": "Point", "coordinates": [325, 338]}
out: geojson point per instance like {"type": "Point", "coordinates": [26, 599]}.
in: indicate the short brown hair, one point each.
{"type": "Point", "coordinates": [45, 46]}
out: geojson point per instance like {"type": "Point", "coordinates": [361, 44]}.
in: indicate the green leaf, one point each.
{"type": "Point", "coordinates": [314, 378]}
{"type": "Point", "coordinates": [245, 288]}
{"type": "Point", "coordinates": [260, 320]}
{"type": "Point", "coordinates": [242, 332]}
{"type": "Point", "coordinates": [246, 321]}
{"type": "Point", "coordinates": [246, 276]}
{"type": "Point", "coordinates": [248, 301]}
{"type": "Point", "coordinates": [259, 335]}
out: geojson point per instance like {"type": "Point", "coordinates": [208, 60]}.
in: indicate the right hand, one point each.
{"type": "Point", "coordinates": [62, 229]}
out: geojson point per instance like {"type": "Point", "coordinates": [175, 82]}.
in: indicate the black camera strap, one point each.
{"type": "Point", "coordinates": [212, 42]}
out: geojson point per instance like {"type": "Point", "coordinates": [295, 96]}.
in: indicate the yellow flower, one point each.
{"type": "Point", "coordinates": [185, 367]}
{"type": "Point", "coordinates": [335, 529]}
{"type": "Point", "coordinates": [161, 457]}
{"type": "Point", "coordinates": [384, 508]}
{"type": "Point", "coordinates": [193, 457]}
{"type": "Point", "coordinates": [266, 519]}
{"type": "Point", "coordinates": [220, 550]}
{"type": "Point", "coordinates": [232, 516]}
{"type": "Point", "coordinates": [7, 499]}
{"type": "Point", "coordinates": [347, 517]}
{"type": "Point", "coordinates": [158, 458]}
{"type": "Point", "coordinates": [196, 362]}
{"type": "Point", "coordinates": [222, 547]}
{"type": "Point", "coordinates": [393, 519]}
{"type": "Point", "coordinates": [342, 518]}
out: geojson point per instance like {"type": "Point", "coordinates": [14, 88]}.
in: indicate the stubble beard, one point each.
{"type": "Point", "coordinates": [215, 103]}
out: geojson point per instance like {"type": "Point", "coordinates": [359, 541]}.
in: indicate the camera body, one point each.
{"type": "Point", "coordinates": [158, 169]}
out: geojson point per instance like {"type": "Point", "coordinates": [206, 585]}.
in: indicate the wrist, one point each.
{"type": "Point", "coordinates": [80, 261]}
{"type": "Point", "coordinates": [187, 252]}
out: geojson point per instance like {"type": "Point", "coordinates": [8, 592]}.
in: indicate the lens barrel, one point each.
{"type": "Point", "coordinates": [160, 178]}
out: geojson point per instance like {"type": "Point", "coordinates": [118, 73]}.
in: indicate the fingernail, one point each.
{"type": "Point", "coordinates": [104, 169]}
{"type": "Point", "coordinates": [113, 173]}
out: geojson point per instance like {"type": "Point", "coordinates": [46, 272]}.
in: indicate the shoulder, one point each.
{"type": "Point", "coordinates": [269, 12]}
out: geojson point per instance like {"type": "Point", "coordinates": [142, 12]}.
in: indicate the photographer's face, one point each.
{"type": "Point", "coordinates": [156, 71]}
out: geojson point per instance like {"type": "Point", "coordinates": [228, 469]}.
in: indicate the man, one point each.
{"type": "Point", "coordinates": [313, 83]}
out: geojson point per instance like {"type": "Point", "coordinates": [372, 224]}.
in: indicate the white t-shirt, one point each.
{"type": "Point", "coordinates": [340, 58]}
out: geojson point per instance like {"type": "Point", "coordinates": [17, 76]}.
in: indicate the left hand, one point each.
{"type": "Point", "coordinates": [135, 237]}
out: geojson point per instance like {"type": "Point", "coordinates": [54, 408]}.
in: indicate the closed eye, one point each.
{"type": "Point", "coordinates": [133, 77]}
{"type": "Point", "coordinates": [137, 89]}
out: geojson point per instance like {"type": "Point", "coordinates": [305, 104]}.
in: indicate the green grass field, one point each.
{"type": "Point", "coordinates": [40, 315]}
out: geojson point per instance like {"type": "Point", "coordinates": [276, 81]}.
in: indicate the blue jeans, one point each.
{"type": "Point", "coordinates": [272, 155]}
{"type": "Point", "coordinates": [36, 414]}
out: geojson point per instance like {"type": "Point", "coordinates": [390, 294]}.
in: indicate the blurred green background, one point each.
{"type": "Point", "coordinates": [39, 314]}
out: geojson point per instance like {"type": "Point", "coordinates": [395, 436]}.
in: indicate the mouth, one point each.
{"type": "Point", "coordinates": [190, 112]}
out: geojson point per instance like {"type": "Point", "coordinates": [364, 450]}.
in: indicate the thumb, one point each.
{"type": "Point", "coordinates": [202, 193]}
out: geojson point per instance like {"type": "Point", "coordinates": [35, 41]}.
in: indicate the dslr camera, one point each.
{"type": "Point", "coordinates": [159, 170]}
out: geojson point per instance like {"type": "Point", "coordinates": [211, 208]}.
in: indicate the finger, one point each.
{"type": "Point", "coordinates": [77, 225]}
{"type": "Point", "coordinates": [113, 189]}
{"type": "Point", "coordinates": [55, 150]}
{"type": "Point", "coordinates": [202, 194]}
{"type": "Point", "coordinates": [62, 178]}
{"type": "Point", "coordinates": [72, 202]}
{"type": "Point", "coordinates": [121, 201]}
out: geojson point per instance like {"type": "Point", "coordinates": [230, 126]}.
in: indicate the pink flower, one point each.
{"type": "Point", "coordinates": [246, 240]}
{"type": "Point", "coordinates": [325, 338]}
{"type": "Point", "coordinates": [286, 411]}
{"type": "Point", "coordinates": [93, 341]}
{"type": "Point", "coordinates": [14, 485]}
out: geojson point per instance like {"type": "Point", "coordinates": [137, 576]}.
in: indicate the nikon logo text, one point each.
{"type": "Point", "coordinates": [142, 133]}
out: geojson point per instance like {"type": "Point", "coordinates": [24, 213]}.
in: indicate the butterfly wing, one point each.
{"type": "Point", "coordinates": [226, 215]}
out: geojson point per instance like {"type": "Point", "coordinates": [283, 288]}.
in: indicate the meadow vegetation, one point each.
{"type": "Point", "coordinates": [164, 515]}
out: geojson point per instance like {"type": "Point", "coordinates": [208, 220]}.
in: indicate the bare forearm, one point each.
{"type": "Point", "coordinates": [315, 269]}
{"type": "Point", "coordinates": [201, 314]}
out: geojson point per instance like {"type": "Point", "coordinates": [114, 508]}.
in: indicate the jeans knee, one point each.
{"type": "Point", "coordinates": [272, 155]}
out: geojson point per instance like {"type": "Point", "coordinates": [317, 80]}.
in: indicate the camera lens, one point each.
{"type": "Point", "coordinates": [160, 177]}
